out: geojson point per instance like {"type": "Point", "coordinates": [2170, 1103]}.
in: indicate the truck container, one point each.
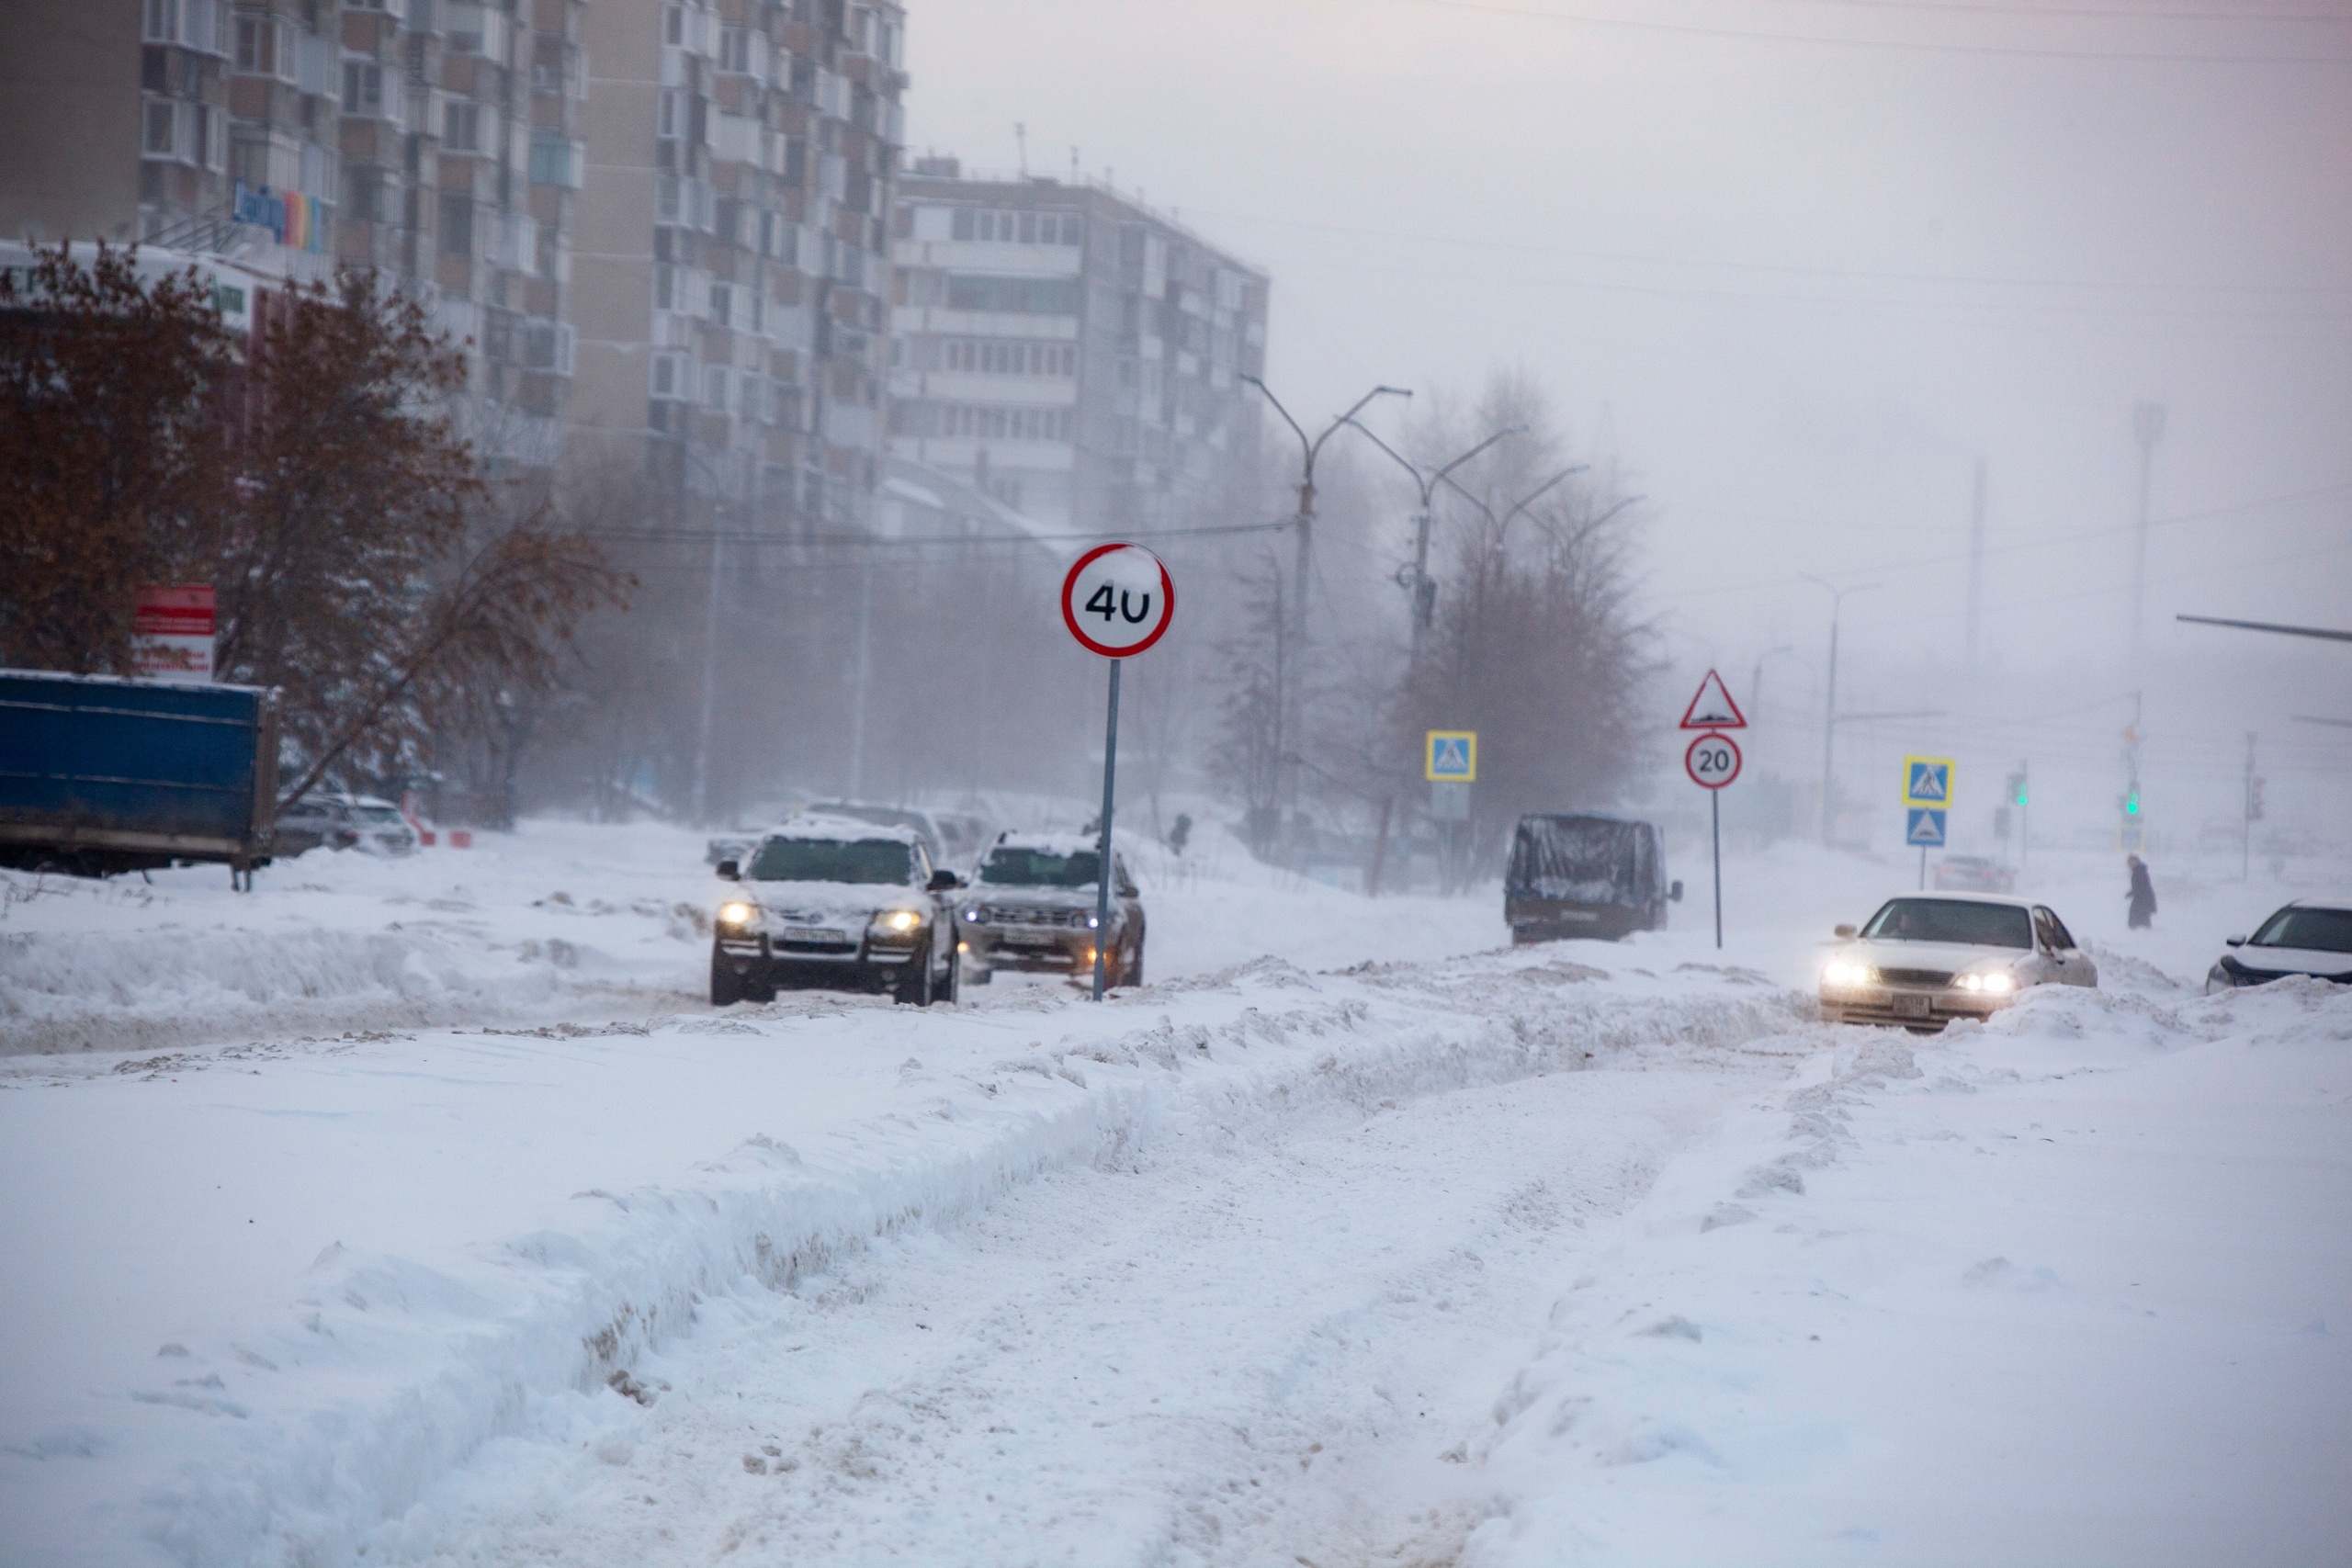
{"type": "Point", "coordinates": [100, 775]}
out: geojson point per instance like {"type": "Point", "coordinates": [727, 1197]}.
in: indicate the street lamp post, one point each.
{"type": "Point", "coordinates": [1426, 480]}
{"type": "Point", "coordinates": [1309, 449]}
{"type": "Point", "coordinates": [1829, 712]}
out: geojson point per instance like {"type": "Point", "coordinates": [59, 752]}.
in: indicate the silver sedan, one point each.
{"type": "Point", "coordinates": [1925, 960]}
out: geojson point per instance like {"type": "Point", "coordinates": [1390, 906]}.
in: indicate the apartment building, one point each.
{"type": "Point", "coordinates": [433, 140]}
{"type": "Point", "coordinates": [1072, 352]}
{"type": "Point", "coordinates": [733, 250]}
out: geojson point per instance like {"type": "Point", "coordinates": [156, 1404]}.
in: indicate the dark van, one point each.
{"type": "Point", "coordinates": [1585, 875]}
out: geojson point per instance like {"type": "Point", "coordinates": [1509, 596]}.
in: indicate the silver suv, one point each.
{"type": "Point", "coordinates": [840, 904]}
{"type": "Point", "coordinates": [1032, 907]}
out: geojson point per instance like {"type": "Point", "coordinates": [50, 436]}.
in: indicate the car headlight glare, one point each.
{"type": "Point", "coordinates": [1841, 973]}
{"type": "Point", "coordinates": [1999, 985]}
{"type": "Point", "coordinates": [900, 920]}
{"type": "Point", "coordinates": [736, 913]}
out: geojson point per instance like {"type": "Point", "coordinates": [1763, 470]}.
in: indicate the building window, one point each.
{"type": "Point", "coordinates": [546, 345]}
{"type": "Point", "coordinates": [714, 387]}
{"type": "Point", "coordinates": [670, 375]}
{"type": "Point", "coordinates": [556, 160]}
{"type": "Point", "coordinates": [158, 128]}
{"type": "Point", "coordinates": [1017, 295]}
{"type": "Point", "coordinates": [457, 225]}
{"type": "Point", "coordinates": [371, 92]}
{"type": "Point", "coordinates": [472, 28]}
{"type": "Point", "coordinates": [461, 127]}
{"type": "Point", "coordinates": [265, 47]}
{"type": "Point", "coordinates": [722, 304]}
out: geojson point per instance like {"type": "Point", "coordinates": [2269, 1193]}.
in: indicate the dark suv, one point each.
{"type": "Point", "coordinates": [1585, 875]}
{"type": "Point", "coordinates": [836, 904]}
{"type": "Point", "coordinates": [1032, 908]}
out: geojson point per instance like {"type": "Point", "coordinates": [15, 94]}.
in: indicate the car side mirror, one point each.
{"type": "Point", "coordinates": [2234, 941]}
{"type": "Point", "coordinates": [1842, 932]}
{"type": "Point", "coordinates": [945, 881]}
{"type": "Point", "coordinates": [731, 871]}
{"type": "Point", "coordinates": [1675, 893]}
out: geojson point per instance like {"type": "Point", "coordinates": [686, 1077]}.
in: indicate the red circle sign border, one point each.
{"type": "Point", "coordinates": [1736, 759]}
{"type": "Point", "coordinates": [1070, 617]}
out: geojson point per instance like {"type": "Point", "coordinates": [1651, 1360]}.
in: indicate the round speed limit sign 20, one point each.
{"type": "Point", "coordinates": [1117, 600]}
{"type": "Point", "coordinates": [1713, 760]}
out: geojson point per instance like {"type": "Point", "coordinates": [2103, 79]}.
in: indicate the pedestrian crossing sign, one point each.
{"type": "Point", "coordinates": [1927, 780]}
{"type": "Point", "coordinates": [1924, 827]}
{"type": "Point", "coordinates": [1453, 756]}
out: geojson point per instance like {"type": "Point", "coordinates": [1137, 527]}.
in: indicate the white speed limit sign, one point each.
{"type": "Point", "coordinates": [1713, 760]}
{"type": "Point", "coordinates": [1117, 600]}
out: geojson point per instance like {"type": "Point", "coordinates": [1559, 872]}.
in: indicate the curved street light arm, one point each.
{"type": "Point", "coordinates": [1308, 450]}
{"type": "Point", "coordinates": [1420, 481]}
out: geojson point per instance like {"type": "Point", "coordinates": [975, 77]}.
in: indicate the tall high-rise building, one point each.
{"type": "Point", "coordinates": [433, 140]}
{"type": "Point", "coordinates": [1073, 353]}
{"type": "Point", "coordinates": [733, 240]}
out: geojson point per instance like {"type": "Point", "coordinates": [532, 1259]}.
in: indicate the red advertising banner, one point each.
{"type": "Point", "coordinates": [171, 627]}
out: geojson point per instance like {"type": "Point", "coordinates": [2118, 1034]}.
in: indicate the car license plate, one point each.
{"type": "Point", "coordinates": [1030, 939]}
{"type": "Point", "coordinates": [1911, 1006]}
{"type": "Point", "coordinates": [815, 933]}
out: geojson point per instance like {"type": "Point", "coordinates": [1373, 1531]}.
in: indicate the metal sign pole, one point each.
{"type": "Point", "coordinates": [1715, 811]}
{"type": "Point", "coordinates": [1923, 868]}
{"type": "Point", "coordinates": [1102, 852]}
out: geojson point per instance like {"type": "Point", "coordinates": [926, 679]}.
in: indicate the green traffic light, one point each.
{"type": "Point", "coordinates": [2131, 806]}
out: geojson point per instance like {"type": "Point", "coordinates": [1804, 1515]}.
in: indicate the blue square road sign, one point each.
{"type": "Point", "coordinates": [1924, 827]}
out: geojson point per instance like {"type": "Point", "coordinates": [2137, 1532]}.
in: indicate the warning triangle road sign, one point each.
{"type": "Point", "coordinates": [1713, 708]}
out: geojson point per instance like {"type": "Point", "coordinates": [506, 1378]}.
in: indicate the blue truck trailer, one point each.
{"type": "Point", "coordinates": [100, 775]}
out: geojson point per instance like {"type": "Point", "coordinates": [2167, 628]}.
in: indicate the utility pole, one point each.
{"type": "Point", "coordinates": [2148, 425]}
{"type": "Point", "coordinates": [1309, 448]}
{"type": "Point", "coordinates": [709, 688]}
{"type": "Point", "coordinates": [2252, 813]}
{"type": "Point", "coordinates": [1829, 711]}
{"type": "Point", "coordinates": [1756, 680]}
{"type": "Point", "coordinates": [1421, 588]}
{"type": "Point", "coordinates": [865, 673]}
{"type": "Point", "coordinates": [1975, 563]}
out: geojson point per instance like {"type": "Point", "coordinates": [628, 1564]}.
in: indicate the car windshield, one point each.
{"type": "Point", "coordinates": [2317, 931]}
{"type": "Point", "coordinates": [1952, 920]}
{"type": "Point", "coordinates": [1010, 867]}
{"type": "Point", "coordinates": [884, 862]}
{"type": "Point", "coordinates": [377, 813]}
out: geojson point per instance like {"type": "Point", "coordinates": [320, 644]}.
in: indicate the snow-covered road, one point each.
{"type": "Point", "coordinates": [1399, 1247]}
{"type": "Point", "coordinates": [1227, 1349]}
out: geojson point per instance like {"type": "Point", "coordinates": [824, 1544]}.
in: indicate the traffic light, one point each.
{"type": "Point", "coordinates": [2253, 800]}
{"type": "Point", "coordinates": [2017, 788]}
{"type": "Point", "coordinates": [2132, 803]}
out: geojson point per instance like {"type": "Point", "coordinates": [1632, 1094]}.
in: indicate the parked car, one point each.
{"type": "Point", "coordinates": [1033, 907]}
{"type": "Point", "coordinates": [1585, 875]}
{"type": "Point", "coordinates": [1924, 960]}
{"type": "Point", "coordinates": [836, 903]}
{"type": "Point", "coordinates": [345, 822]}
{"type": "Point", "coordinates": [919, 822]}
{"type": "Point", "coordinates": [1973, 873]}
{"type": "Point", "coordinates": [2310, 936]}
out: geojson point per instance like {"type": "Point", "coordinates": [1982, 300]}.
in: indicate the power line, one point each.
{"type": "Point", "coordinates": [1788, 269]}
{"type": "Point", "coordinates": [859, 541]}
{"type": "Point", "coordinates": [2009, 52]}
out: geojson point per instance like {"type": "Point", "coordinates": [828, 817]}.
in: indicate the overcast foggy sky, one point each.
{"type": "Point", "coordinates": [1673, 229]}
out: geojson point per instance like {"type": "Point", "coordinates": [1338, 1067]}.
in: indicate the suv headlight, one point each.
{"type": "Point", "coordinates": [738, 914]}
{"type": "Point", "coordinates": [894, 925]}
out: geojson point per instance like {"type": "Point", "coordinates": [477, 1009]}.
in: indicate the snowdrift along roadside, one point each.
{"type": "Point", "coordinates": [309, 1432]}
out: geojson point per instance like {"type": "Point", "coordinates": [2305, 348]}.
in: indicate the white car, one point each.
{"type": "Point", "coordinates": [1925, 959]}
{"type": "Point", "coordinates": [2310, 936]}
{"type": "Point", "coordinates": [839, 904]}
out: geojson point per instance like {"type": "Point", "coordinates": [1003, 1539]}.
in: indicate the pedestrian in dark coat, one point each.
{"type": "Point", "coordinates": [2143, 895]}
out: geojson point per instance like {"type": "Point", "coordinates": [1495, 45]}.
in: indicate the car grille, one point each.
{"type": "Point", "coordinates": [1934, 978]}
{"type": "Point", "coordinates": [1018, 915]}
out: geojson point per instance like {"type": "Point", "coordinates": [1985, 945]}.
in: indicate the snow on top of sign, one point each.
{"type": "Point", "coordinates": [1713, 708]}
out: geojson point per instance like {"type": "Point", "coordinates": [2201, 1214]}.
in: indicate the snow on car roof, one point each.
{"type": "Point", "coordinates": [2324, 901]}
{"type": "Point", "coordinates": [842, 831]}
{"type": "Point", "coordinates": [1051, 843]}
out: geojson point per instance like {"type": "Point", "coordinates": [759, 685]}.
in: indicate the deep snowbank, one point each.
{"type": "Point", "coordinates": [297, 1416]}
{"type": "Point", "coordinates": [2067, 1288]}
{"type": "Point", "coordinates": [516, 928]}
